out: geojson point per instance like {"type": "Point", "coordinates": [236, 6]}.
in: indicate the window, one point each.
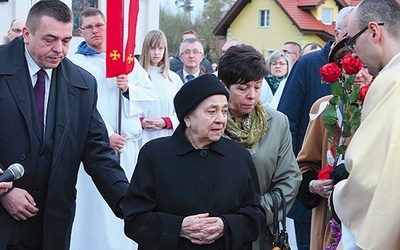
{"type": "Point", "coordinates": [327, 15]}
{"type": "Point", "coordinates": [77, 7]}
{"type": "Point", "coordinates": [264, 18]}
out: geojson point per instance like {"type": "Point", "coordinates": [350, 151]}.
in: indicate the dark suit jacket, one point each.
{"type": "Point", "coordinates": [77, 134]}
{"type": "Point", "coordinates": [176, 64]}
{"type": "Point", "coordinates": [180, 74]}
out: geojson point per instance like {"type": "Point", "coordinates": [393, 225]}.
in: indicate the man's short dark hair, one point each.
{"type": "Point", "coordinates": [382, 11]}
{"type": "Point", "coordinates": [89, 12]}
{"type": "Point", "coordinates": [52, 8]}
{"type": "Point", "coordinates": [241, 64]}
{"type": "Point", "coordinates": [190, 32]}
{"type": "Point", "coordinates": [295, 44]}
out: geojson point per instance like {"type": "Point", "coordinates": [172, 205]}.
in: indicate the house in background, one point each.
{"type": "Point", "coordinates": [148, 17]}
{"type": "Point", "coordinates": [267, 24]}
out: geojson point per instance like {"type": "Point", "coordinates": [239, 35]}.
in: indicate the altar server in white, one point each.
{"type": "Point", "coordinates": [95, 226]}
{"type": "Point", "coordinates": [160, 120]}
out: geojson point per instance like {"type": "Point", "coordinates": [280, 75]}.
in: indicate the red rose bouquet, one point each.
{"type": "Point", "coordinates": [345, 99]}
{"type": "Point", "coordinates": [347, 103]}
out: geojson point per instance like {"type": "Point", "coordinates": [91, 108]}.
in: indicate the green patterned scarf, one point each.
{"type": "Point", "coordinates": [250, 131]}
{"type": "Point", "coordinates": [274, 81]}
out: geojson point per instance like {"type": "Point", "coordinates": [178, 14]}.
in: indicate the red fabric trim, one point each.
{"type": "Point", "coordinates": [168, 122]}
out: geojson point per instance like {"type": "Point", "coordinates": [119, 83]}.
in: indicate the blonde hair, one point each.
{"type": "Point", "coordinates": [155, 38]}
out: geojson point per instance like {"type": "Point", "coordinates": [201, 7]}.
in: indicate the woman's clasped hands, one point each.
{"type": "Point", "coordinates": [201, 229]}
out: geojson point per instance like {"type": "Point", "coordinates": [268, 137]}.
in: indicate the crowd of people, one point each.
{"type": "Point", "coordinates": [182, 153]}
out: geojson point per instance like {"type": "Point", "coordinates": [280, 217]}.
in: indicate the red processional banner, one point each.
{"type": "Point", "coordinates": [118, 60]}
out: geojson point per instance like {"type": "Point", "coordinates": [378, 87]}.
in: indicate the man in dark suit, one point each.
{"type": "Point", "coordinates": [49, 133]}
{"type": "Point", "coordinates": [176, 63]}
{"type": "Point", "coordinates": [191, 54]}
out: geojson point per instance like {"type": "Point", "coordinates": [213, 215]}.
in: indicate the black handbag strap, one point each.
{"type": "Point", "coordinates": [275, 211]}
{"type": "Point", "coordinates": [275, 207]}
{"type": "Point", "coordinates": [283, 221]}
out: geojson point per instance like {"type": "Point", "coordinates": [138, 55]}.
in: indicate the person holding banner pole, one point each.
{"type": "Point", "coordinates": [98, 228]}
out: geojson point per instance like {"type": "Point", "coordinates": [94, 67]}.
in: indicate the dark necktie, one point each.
{"type": "Point", "coordinates": [189, 77]}
{"type": "Point", "coordinates": [39, 90]}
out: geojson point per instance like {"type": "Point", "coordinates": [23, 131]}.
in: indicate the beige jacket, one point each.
{"type": "Point", "coordinates": [312, 157]}
{"type": "Point", "coordinates": [368, 201]}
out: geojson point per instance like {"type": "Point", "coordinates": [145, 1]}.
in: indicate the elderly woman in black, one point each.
{"type": "Point", "coordinates": [194, 189]}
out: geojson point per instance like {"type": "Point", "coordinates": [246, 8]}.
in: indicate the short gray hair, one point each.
{"type": "Point", "coordinates": [341, 16]}
{"type": "Point", "coordinates": [191, 40]}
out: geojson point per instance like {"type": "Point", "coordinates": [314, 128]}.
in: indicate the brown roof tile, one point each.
{"type": "Point", "coordinates": [308, 3]}
{"type": "Point", "coordinates": [297, 12]}
{"type": "Point", "coordinates": [304, 20]}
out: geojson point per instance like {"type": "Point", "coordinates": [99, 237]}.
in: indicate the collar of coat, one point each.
{"type": "Point", "coordinates": [183, 146]}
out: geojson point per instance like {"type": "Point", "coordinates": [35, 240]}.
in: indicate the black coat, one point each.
{"type": "Point", "coordinates": [173, 180]}
{"type": "Point", "coordinates": [75, 132]}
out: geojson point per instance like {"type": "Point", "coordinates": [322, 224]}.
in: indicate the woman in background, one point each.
{"type": "Point", "coordinates": [161, 119]}
{"type": "Point", "coordinates": [279, 65]}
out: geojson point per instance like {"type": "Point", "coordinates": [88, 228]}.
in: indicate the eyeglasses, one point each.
{"type": "Point", "coordinates": [189, 52]}
{"type": "Point", "coordinates": [288, 52]}
{"type": "Point", "coordinates": [351, 43]}
{"type": "Point", "coordinates": [91, 27]}
{"type": "Point", "coordinates": [16, 30]}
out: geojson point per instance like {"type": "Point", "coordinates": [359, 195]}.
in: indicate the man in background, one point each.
{"type": "Point", "coordinates": [176, 63]}
{"type": "Point", "coordinates": [191, 54]}
{"type": "Point", "coordinates": [15, 28]}
{"type": "Point", "coordinates": [293, 49]}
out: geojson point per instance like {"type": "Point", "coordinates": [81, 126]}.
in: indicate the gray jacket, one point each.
{"type": "Point", "coordinates": [277, 168]}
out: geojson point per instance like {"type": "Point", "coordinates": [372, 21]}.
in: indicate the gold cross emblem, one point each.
{"type": "Point", "coordinates": [115, 55]}
{"type": "Point", "coordinates": [130, 59]}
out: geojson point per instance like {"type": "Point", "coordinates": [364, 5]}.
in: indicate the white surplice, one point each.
{"type": "Point", "coordinates": [95, 225]}
{"type": "Point", "coordinates": [166, 90]}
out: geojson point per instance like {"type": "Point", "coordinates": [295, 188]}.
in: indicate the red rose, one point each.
{"type": "Point", "coordinates": [330, 72]}
{"type": "Point", "coordinates": [351, 65]}
{"type": "Point", "coordinates": [363, 92]}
